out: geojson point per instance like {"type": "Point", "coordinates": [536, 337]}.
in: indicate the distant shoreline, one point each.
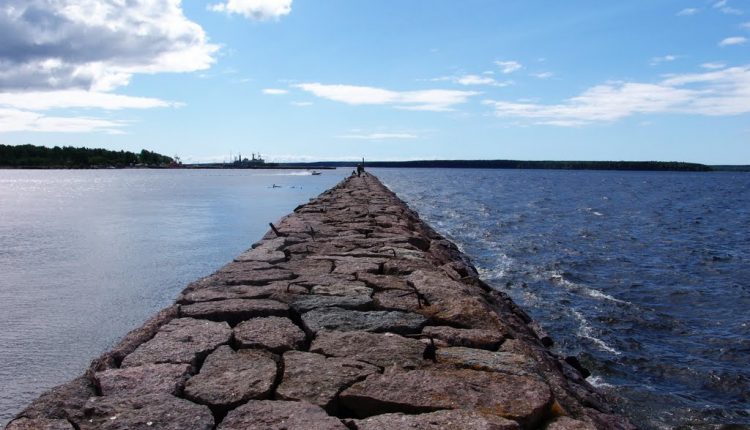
{"type": "Point", "coordinates": [441, 164]}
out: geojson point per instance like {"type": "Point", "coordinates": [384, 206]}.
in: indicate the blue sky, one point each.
{"type": "Point", "coordinates": [386, 79]}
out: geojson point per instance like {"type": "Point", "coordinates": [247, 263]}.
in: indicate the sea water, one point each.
{"type": "Point", "coordinates": [88, 255]}
{"type": "Point", "coordinates": [644, 275]}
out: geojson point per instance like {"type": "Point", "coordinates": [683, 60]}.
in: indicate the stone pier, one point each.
{"type": "Point", "coordinates": [350, 313]}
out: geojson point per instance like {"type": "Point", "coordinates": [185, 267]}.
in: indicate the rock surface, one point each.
{"type": "Point", "coordinates": [523, 399]}
{"type": "Point", "coordinates": [280, 415]}
{"type": "Point", "coordinates": [153, 411]}
{"type": "Point", "coordinates": [317, 379]}
{"type": "Point", "coordinates": [375, 321]}
{"type": "Point", "coordinates": [380, 349]}
{"type": "Point", "coordinates": [149, 378]}
{"type": "Point", "coordinates": [275, 334]}
{"type": "Point", "coordinates": [490, 361]}
{"type": "Point", "coordinates": [234, 310]}
{"type": "Point", "coordinates": [229, 378]}
{"type": "Point", "coordinates": [454, 419]}
{"type": "Point", "coordinates": [470, 338]}
{"type": "Point", "coordinates": [39, 424]}
{"type": "Point", "coordinates": [183, 340]}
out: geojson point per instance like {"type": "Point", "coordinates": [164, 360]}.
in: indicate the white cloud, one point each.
{"type": "Point", "coordinates": [688, 11]}
{"type": "Point", "coordinates": [466, 80]}
{"type": "Point", "coordinates": [44, 100]}
{"type": "Point", "coordinates": [59, 54]}
{"type": "Point", "coordinates": [274, 91]}
{"type": "Point", "coordinates": [12, 120]}
{"type": "Point", "coordinates": [255, 9]}
{"type": "Point", "coordinates": [379, 136]}
{"type": "Point", "coordinates": [745, 25]}
{"type": "Point", "coordinates": [665, 59]}
{"type": "Point", "coordinates": [716, 93]}
{"type": "Point", "coordinates": [428, 100]}
{"type": "Point", "coordinates": [509, 66]}
{"type": "Point", "coordinates": [96, 45]}
{"type": "Point", "coordinates": [723, 6]}
{"type": "Point", "coordinates": [713, 66]}
{"type": "Point", "coordinates": [730, 41]}
{"type": "Point", "coordinates": [543, 75]}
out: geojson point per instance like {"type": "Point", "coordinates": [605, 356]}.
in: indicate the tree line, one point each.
{"type": "Point", "coordinates": [77, 158]}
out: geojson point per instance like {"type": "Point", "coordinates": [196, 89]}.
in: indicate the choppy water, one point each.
{"type": "Point", "coordinates": [645, 275]}
{"type": "Point", "coordinates": [86, 256]}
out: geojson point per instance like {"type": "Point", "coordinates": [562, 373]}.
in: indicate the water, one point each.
{"type": "Point", "coordinates": [644, 275]}
{"type": "Point", "coordinates": [86, 256]}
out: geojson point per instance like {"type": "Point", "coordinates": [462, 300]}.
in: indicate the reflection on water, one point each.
{"type": "Point", "coordinates": [86, 256]}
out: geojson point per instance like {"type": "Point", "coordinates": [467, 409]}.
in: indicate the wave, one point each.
{"type": "Point", "coordinates": [586, 331]}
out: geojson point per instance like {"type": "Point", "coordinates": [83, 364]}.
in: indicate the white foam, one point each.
{"type": "Point", "coordinates": [598, 382]}
{"type": "Point", "coordinates": [585, 330]}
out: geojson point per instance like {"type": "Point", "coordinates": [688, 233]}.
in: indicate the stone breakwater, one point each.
{"type": "Point", "coordinates": [350, 313]}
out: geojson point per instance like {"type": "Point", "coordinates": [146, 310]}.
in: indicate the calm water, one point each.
{"type": "Point", "coordinates": [645, 275]}
{"type": "Point", "coordinates": [86, 256]}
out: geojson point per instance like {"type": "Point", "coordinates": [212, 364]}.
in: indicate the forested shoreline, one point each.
{"type": "Point", "coordinates": [68, 157]}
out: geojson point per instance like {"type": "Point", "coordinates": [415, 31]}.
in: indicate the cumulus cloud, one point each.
{"type": "Point", "coordinates": [688, 11]}
{"type": "Point", "coordinates": [714, 93]}
{"type": "Point", "coordinates": [274, 91]}
{"type": "Point", "coordinates": [730, 41]}
{"type": "Point", "coordinates": [95, 45]}
{"type": "Point", "coordinates": [259, 10]}
{"type": "Point", "coordinates": [509, 66]}
{"type": "Point", "coordinates": [75, 53]}
{"type": "Point", "coordinates": [22, 120]}
{"type": "Point", "coordinates": [428, 100]}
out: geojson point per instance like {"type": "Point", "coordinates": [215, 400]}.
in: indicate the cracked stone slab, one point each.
{"type": "Point", "coordinates": [235, 310]}
{"type": "Point", "coordinates": [251, 274]}
{"type": "Point", "coordinates": [225, 292]}
{"type": "Point", "coordinates": [182, 340]}
{"type": "Point", "coordinates": [153, 411]}
{"type": "Point", "coordinates": [452, 419]}
{"type": "Point", "coordinates": [275, 334]}
{"type": "Point", "coordinates": [381, 349]}
{"type": "Point", "coordinates": [352, 288]}
{"type": "Point", "coordinates": [229, 378]}
{"type": "Point", "coordinates": [149, 378]}
{"type": "Point", "coordinates": [567, 423]}
{"type": "Point", "coordinates": [375, 321]}
{"type": "Point", "coordinates": [523, 399]}
{"type": "Point", "coordinates": [402, 300]}
{"type": "Point", "coordinates": [306, 303]}
{"type": "Point", "coordinates": [470, 338]}
{"type": "Point", "coordinates": [39, 424]}
{"type": "Point", "coordinates": [317, 379]}
{"type": "Point", "coordinates": [279, 415]}
{"type": "Point", "coordinates": [490, 361]}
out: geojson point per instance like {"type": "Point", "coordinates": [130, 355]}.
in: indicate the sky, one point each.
{"type": "Point", "coordinates": [303, 80]}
